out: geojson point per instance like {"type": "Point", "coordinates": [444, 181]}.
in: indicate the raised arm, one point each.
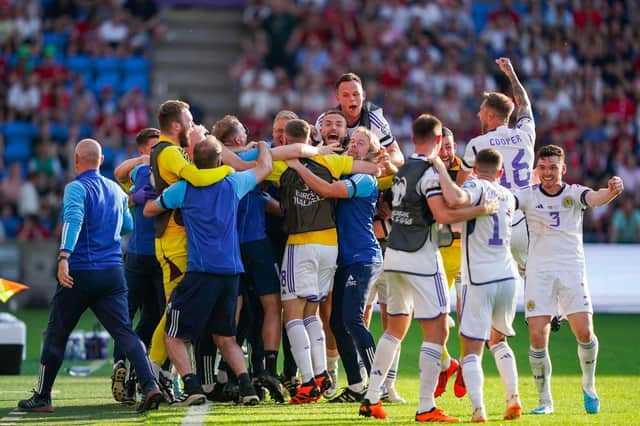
{"type": "Point", "coordinates": [264, 164]}
{"type": "Point", "coordinates": [320, 186]}
{"type": "Point", "coordinates": [605, 195]}
{"type": "Point", "coordinates": [523, 104]}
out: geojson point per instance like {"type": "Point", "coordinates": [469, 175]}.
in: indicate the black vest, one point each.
{"type": "Point", "coordinates": [364, 120]}
{"type": "Point", "coordinates": [162, 220]}
{"type": "Point", "coordinates": [305, 210]}
{"type": "Point", "coordinates": [411, 218]}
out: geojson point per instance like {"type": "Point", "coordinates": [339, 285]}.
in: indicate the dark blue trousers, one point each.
{"type": "Point", "coordinates": [350, 291]}
{"type": "Point", "coordinates": [105, 293]}
{"type": "Point", "coordinates": [146, 294]}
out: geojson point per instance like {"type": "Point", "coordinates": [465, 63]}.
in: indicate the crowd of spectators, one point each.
{"type": "Point", "coordinates": [69, 69]}
{"type": "Point", "coordinates": [578, 59]}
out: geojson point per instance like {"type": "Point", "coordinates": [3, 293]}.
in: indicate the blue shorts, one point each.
{"type": "Point", "coordinates": [203, 302]}
{"type": "Point", "coordinates": [261, 269]}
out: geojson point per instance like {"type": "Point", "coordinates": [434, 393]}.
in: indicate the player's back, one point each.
{"type": "Point", "coordinates": [486, 241]}
{"type": "Point", "coordinates": [516, 144]}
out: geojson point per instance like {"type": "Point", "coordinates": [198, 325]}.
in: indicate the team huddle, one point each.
{"type": "Point", "coordinates": [236, 243]}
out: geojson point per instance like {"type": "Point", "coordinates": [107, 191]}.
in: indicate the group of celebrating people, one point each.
{"type": "Point", "coordinates": [251, 241]}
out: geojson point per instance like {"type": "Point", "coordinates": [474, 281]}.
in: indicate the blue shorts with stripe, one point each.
{"type": "Point", "coordinates": [203, 302]}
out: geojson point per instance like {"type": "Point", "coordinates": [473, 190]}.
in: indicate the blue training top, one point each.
{"type": "Point", "coordinates": [142, 239]}
{"type": "Point", "coordinates": [95, 214]}
{"type": "Point", "coordinates": [251, 215]}
{"type": "Point", "coordinates": [210, 219]}
{"type": "Point", "coordinates": [354, 219]}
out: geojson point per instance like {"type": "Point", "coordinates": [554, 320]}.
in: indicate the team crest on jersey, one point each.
{"type": "Point", "coordinates": [531, 305]}
{"type": "Point", "coordinates": [567, 201]}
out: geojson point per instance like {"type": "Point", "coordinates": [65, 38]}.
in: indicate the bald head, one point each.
{"type": "Point", "coordinates": [88, 154]}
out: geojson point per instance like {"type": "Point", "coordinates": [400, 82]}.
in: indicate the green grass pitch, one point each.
{"type": "Point", "coordinates": [87, 400]}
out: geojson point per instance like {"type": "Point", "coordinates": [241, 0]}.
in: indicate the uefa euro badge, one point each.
{"type": "Point", "coordinates": [567, 201]}
{"type": "Point", "coordinates": [531, 305]}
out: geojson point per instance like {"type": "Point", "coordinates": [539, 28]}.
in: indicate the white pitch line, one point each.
{"type": "Point", "coordinates": [196, 414]}
{"type": "Point", "coordinates": [12, 417]}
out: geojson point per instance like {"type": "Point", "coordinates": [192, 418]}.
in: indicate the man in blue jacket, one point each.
{"type": "Point", "coordinates": [90, 275]}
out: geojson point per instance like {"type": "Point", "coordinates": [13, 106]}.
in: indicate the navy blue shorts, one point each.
{"type": "Point", "coordinates": [261, 269]}
{"type": "Point", "coordinates": [203, 302]}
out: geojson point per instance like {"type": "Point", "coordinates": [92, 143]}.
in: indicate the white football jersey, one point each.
{"type": "Point", "coordinates": [486, 240]}
{"type": "Point", "coordinates": [516, 146]}
{"type": "Point", "coordinates": [378, 126]}
{"type": "Point", "coordinates": [555, 226]}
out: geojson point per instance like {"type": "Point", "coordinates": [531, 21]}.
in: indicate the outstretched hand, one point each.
{"type": "Point", "coordinates": [489, 205]}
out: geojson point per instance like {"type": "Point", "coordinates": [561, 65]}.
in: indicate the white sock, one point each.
{"type": "Point", "coordinates": [318, 347]}
{"type": "Point", "coordinates": [473, 379]}
{"type": "Point", "coordinates": [385, 351]}
{"type": "Point", "coordinates": [445, 364]}
{"type": "Point", "coordinates": [390, 381]}
{"type": "Point", "coordinates": [506, 363]}
{"type": "Point", "coordinates": [332, 362]}
{"type": "Point", "coordinates": [357, 387]}
{"type": "Point", "coordinates": [588, 355]}
{"type": "Point", "coordinates": [430, 355]}
{"type": "Point", "coordinates": [541, 369]}
{"type": "Point", "coordinates": [300, 348]}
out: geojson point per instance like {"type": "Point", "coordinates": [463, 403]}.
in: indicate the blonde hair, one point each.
{"type": "Point", "coordinates": [374, 141]}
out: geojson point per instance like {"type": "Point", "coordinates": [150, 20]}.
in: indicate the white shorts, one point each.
{"type": "Point", "coordinates": [519, 239]}
{"type": "Point", "coordinates": [487, 306]}
{"type": "Point", "coordinates": [554, 292]}
{"type": "Point", "coordinates": [307, 271]}
{"type": "Point", "coordinates": [426, 296]}
{"type": "Point", "coordinates": [379, 288]}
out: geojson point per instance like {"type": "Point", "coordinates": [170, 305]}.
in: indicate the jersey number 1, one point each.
{"type": "Point", "coordinates": [495, 239]}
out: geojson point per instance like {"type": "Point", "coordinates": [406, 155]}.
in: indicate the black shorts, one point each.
{"type": "Point", "coordinates": [203, 302]}
{"type": "Point", "coordinates": [260, 266]}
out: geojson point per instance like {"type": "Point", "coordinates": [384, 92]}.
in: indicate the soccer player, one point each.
{"type": "Point", "coordinates": [515, 144]}
{"type": "Point", "coordinates": [413, 268]}
{"type": "Point", "coordinates": [555, 274]}
{"type": "Point", "coordinates": [358, 112]}
{"type": "Point", "coordinates": [141, 269]}
{"type": "Point", "coordinates": [206, 298]}
{"type": "Point", "coordinates": [450, 251]}
{"type": "Point", "coordinates": [169, 163]}
{"type": "Point", "coordinates": [90, 275]}
{"type": "Point", "coordinates": [489, 277]}
{"type": "Point", "coordinates": [359, 258]}
{"type": "Point", "coordinates": [309, 263]}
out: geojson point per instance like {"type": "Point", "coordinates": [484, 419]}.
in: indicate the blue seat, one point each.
{"type": "Point", "coordinates": [135, 64]}
{"type": "Point", "coordinates": [19, 132]}
{"type": "Point", "coordinates": [17, 151]}
{"type": "Point", "coordinates": [106, 79]}
{"type": "Point", "coordinates": [140, 81]}
{"type": "Point", "coordinates": [59, 132]}
{"type": "Point", "coordinates": [106, 64]}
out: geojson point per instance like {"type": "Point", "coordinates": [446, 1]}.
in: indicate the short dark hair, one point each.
{"type": "Point", "coordinates": [489, 159]}
{"type": "Point", "coordinates": [550, 151]}
{"type": "Point", "coordinates": [446, 132]}
{"type": "Point", "coordinates": [206, 153]}
{"type": "Point", "coordinates": [226, 128]}
{"type": "Point", "coordinates": [144, 135]}
{"type": "Point", "coordinates": [350, 76]}
{"type": "Point", "coordinates": [169, 112]}
{"type": "Point", "coordinates": [500, 103]}
{"type": "Point", "coordinates": [426, 128]}
{"type": "Point", "coordinates": [297, 128]}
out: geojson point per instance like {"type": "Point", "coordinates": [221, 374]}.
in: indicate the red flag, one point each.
{"type": "Point", "coordinates": [9, 288]}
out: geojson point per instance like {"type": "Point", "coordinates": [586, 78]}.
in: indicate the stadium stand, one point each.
{"type": "Point", "coordinates": [579, 60]}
